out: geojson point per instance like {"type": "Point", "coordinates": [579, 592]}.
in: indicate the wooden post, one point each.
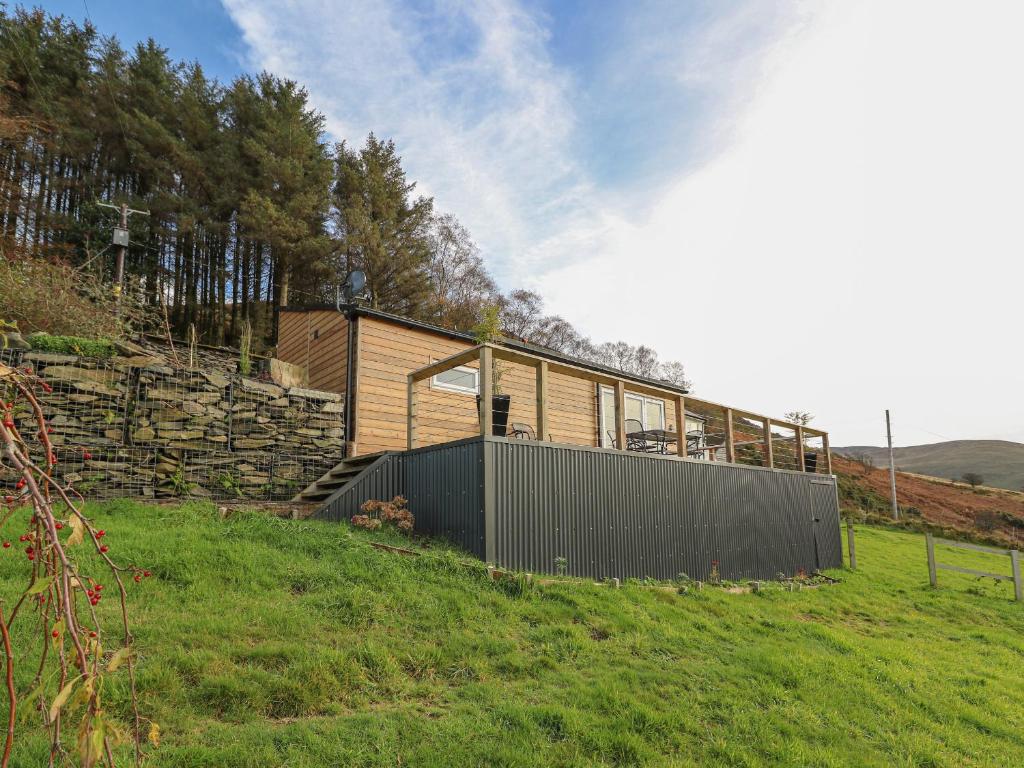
{"type": "Point", "coordinates": [850, 545]}
{"type": "Point", "coordinates": [730, 442]}
{"type": "Point", "coordinates": [932, 576]}
{"type": "Point", "coordinates": [410, 416]}
{"type": "Point", "coordinates": [828, 452]}
{"type": "Point", "coordinates": [800, 448]}
{"type": "Point", "coordinates": [681, 426]}
{"type": "Point", "coordinates": [620, 415]}
{"type": "Point", "coordinates": [486, 390]}
{"type": "Point", "coordinates": [542, 400]}
{"type": "Point", "coordinates": [1018, 586]}
{"type": "Point", "coordinates": [769, 453]}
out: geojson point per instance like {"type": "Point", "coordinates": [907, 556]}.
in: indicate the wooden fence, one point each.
{"type": "Point", "coordinates": [934, 566]}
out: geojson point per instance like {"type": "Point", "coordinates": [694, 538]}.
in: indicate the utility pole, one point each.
{"type": "Point", "coordinates": [892, 467]}
{"type": "Point", "coordinates": [121, 241]}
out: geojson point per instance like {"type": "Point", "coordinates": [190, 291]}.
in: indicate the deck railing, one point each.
{"type": "Point", "coordinates": [728, 434]}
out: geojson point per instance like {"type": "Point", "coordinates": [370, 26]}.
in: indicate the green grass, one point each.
{"type": "Point", "coordinates": [267, 642]}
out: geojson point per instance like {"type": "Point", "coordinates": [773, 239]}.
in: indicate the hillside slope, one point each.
{"type": "Point", "coordinates": [267, 642]}
{"type": "Point", "coordinates": [991, 514]}
{"type": "Point", "coordinates": [1000, 462]}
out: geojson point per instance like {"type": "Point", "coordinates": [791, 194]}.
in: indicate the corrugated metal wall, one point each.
{"type": "Point", "coordinates": [608, 513]}
{"type": "Point", "coordinates": [383, 479]}
{"type": "Point", "coordinates": [444, 486]}
{"type": "Point", "coordinates": [614, 514]}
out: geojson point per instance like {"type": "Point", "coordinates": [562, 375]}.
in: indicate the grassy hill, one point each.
{"type": "Point", "coordinates": [267, 642]}
{"type": "Point", "coordinates": [930, 503]}
{"type": "Point", "coordinates": [1000, 462]}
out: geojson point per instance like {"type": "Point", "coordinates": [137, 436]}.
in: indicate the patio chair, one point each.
{"type": "Point", "coordinates": [636, 443]}
{"type": "Point", "coordinates": [520, 431]}
{"type": "Point", "coordinates": [695, 444]}
{"type": "Point", "coordinates": [611, 439]}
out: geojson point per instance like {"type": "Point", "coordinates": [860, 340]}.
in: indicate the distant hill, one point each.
{"type": "Point", "coordinates": [1000, 462]}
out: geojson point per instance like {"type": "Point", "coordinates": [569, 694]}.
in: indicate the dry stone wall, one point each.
{"type": "Point", "coordinates": [122, 429]}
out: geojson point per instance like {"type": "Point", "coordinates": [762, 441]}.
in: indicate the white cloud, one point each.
{"type": "Point", "coordinates": [856, 247]}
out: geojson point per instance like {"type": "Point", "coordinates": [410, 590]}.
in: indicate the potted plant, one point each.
{"type": "Point", "coordinates": [487, 331]}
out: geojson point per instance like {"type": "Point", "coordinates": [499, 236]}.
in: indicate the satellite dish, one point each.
{"type": "Point", "coordinates": [354, 284]}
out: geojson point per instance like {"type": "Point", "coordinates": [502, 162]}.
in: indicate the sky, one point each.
{"type": "Point", "coordinates": [813, 205]}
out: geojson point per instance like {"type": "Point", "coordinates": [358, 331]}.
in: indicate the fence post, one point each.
{"type": "Point", "coordinates": [932, 576]}
{"type": "Point", "coordinates": [231, 413]}
{"type": "Point", "coordinates": [1018, 587]}
{"type": "Point", "coordinates": [850, 545]}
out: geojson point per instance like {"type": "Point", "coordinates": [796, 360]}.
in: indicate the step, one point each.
{"type": "Point", "coordinates": [345, 471]}
{"type": "Point", "coordinates": [316, 494]}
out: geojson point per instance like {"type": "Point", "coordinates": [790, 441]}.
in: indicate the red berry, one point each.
{"type": "Point", "coordinates": [9, 499]}
{"type": "Point", "coordinates": [55, 633]}
{"type": "Point", "coordinates": [137, 578]}
{"type": "Point", "coordinates": [92, 634]}
{"type": "Point", "coordinates": [147, 574]}
{"type": "Point", "coordinates": [58, 525]}
{"type": "Point", "coordinates": [31, 556]}
{"type": "Point", "coordinates": [86, 455]}
{"type": "Point", "coordinates": [94, 601]}
{"type": "Point", "coordinates": [98, 587]}
{"type": "Point", "coordinates": [20, 484]}
{"type": "Point", "coordinates": [100, 533]}
{"type": "Point", "coordinates": [104, 549]}
{"type": "Point", "coordinates": [7, 545]}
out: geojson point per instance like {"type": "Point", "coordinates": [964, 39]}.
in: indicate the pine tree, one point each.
{"type": "Point", "coordinates": [384, 232]}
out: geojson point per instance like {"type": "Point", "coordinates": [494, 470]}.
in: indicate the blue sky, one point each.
{"type": "Point", "coordinates": [813, 204]}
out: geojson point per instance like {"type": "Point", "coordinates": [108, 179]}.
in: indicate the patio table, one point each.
{"type": "Point", "coordinates": [660, 436]}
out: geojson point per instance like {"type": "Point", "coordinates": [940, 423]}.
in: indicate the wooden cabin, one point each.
{"type": "Point", "coordinates": [368, 355]}
{"type": "Point", "coordinates": [615, 475]}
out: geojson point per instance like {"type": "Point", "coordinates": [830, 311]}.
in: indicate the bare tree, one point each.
{"type": "Point", "coordinates": [973, 479]}
{"type": "Point", "coordinates": [674, 372]}
{"type": "Point", "coordinates": [521, 313]}
{"type": "Point", "coordinates": [458, 277]}
{"type": "Point", "coordinates": [802, 418]}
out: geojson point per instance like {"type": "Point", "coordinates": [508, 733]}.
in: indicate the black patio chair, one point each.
{"type": "Point", "coordinates": [695, 444]}
{"type": "Point", "coordinates": [638, 443]}
{"type": "Point", "coordinates": [520, 431]}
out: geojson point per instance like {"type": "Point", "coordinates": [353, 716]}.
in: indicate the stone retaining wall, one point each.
{"type": "Point", "coordinates": [153, 430]}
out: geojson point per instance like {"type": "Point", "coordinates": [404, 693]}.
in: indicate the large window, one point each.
{"type": "Point", "coordinates": [649, 411]}
{"type": "Point", "coordinates": [461, 379]}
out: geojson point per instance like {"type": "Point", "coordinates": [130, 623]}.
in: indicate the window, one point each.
{"type": "Point", "coordinates": [648, 411]}
{"type": "Point", "coordinates": [461, 379]}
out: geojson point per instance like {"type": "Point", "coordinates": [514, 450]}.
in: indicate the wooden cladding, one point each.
{"type": "Point", "coordinates": [558, 399]}
{"type": "Point", "coordinates": [318, 341]}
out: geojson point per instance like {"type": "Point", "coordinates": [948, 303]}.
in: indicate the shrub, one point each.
{"type": "Point", "coordinates": [52, 296]}
{"type": "Point", "coordinates": [71, 345]}
{"type": "Point", "coordinates": [393, 513]}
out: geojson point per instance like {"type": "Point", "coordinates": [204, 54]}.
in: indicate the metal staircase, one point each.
{"type": "Point", "coordinates": [337, 478]}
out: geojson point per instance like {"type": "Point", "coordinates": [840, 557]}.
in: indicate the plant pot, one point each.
{"type": "Point", "coordinates": [499, 413]}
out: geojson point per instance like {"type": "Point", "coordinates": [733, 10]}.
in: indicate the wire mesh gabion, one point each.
{"type": "Point", "coordinates": [158, 432]}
